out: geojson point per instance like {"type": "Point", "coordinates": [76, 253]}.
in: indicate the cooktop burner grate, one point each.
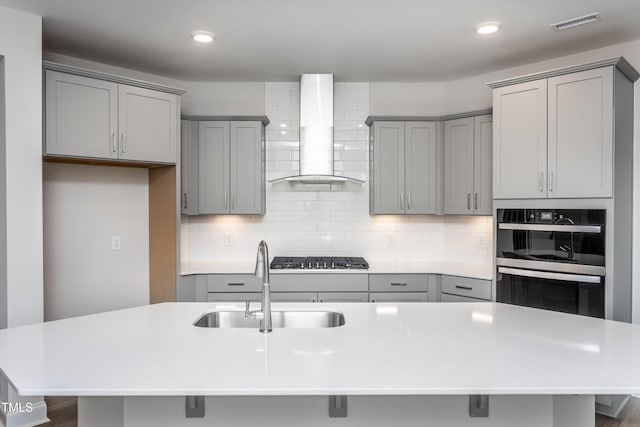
{"type": "Point", "coordinates": [319, 263]}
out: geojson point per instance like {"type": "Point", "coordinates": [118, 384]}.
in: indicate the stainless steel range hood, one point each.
{"type": "Point", "coordinates": [316, 133]}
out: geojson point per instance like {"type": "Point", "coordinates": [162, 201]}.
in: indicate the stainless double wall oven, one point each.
{"type": "Point", "coordinates": [552, 259]}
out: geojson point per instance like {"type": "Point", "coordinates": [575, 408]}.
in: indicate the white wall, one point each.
{"type": "Point", "coordinates": [223, 99]}
{"type": "Point", "coordinates": [312, 222]}
{"type": "Point", "coordinates": [20, 169]}
{"type": "Point", "coordinates": [85, 206]}
{"type": "Point", "coordinates": [21, 299]}
{"type": "Point", "coordinates": [407, 99]}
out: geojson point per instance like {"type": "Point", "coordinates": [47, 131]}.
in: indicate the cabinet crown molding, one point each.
{"type": "Point", "coordinates": [443, 118]}
{"type": "Point", "coordinates": [620, 63]}
{"type": "Point", "coordinates": [264, 119]}
{"type": "Point", "coordinates": [84, 72]}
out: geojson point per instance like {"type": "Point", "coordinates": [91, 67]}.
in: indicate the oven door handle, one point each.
{"type": "Point", "coordinates": [551, 227]}
{"type": "Point", "coordinates": [582, 278]}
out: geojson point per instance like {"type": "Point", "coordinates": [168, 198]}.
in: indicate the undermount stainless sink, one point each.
{"type": "Point", "coordinates": [280, 319]}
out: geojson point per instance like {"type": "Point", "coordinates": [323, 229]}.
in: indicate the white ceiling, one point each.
{"type": "Point", "coordinates": [357, 40]}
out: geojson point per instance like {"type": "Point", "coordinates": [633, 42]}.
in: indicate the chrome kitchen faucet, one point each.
{"type": "Point", "coordinates": [262, 272]}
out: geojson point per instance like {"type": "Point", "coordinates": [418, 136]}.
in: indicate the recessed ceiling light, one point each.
{"type": "Point", "coordinates": [283, 125]}
{"type": "Point", "coordinates": [202, 36]}
{"type": "Point", "coordinates": [487, 27]}
{"type": "Point", "coordinates": [284, 132]}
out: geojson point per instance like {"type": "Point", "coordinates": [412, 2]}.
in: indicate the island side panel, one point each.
{"type": "Point", "coordinates": [373, 411]}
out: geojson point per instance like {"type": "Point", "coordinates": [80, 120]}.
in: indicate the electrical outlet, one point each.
{"type": "Point", "coordinates": [228, 239]}
{"type": "Point", "coordinates": [116, 243]}
{"type": "Point", "coordinates": [482, 242]}
{"type": "Point", "coordinates": [389, 239]}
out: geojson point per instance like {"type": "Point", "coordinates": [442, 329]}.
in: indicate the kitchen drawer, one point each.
{"type": "Point", "coordinates": [466, 287]}
{"type": "Point", "coordinates": [294, 297]}
{"type": "Point", "coordinates": [398, 297]}
{"type": "Point", "coordinates": [233, 283]}
{"type": "Point", "coordinates": [398, 282]}
{"type": "Point", "coordinates": [458, 298]}
{"type": "Point", "coordinates": [233, 296]}
{"type": "Point", "coordinates": [319, 282]}
{"type": "Point", "coordinates": [343, 296]}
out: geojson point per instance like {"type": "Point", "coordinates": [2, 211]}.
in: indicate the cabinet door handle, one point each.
{"type": "Point", "coordinates": [551, 181]}
{"type": "Point", "coordinates": [466, 288]}
{"type": "Point", "coordinates": [469, 201]}
{"type": "Point", "coordinates": [185, 200]}
{"type": "Point", "coordinates": [408, 200]}
{"type": "Point", "coordinates": [233, 201]}
{"type": "Point", "coordinates": [398, 283]}
{"type": "Point", "coordinates": [226, 201]}
{"type": "Point", "coordinates": [114, 146]}
{"type": "Point", "coordinates": [124, 142]}
{"type": "Point", "coordinates": [475, 201]}
{"type": "Point", "coordinates": [235, 284]}
{"type": "Point", "coordinates": [401, 200]}
{"type": "Point", "coordinates": [541, 182]}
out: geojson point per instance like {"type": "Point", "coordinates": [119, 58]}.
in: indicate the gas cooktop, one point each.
{"type": "Point", "coordinates": [319, 263]}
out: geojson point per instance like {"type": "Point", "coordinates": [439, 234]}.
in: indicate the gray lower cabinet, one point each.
{"type": "Point", "coordinates": [319, 282]}
{"type": "Point", "coordinates": [343, 296]}
{"type": "Point", "coordinates": [189, 167]}
{"type": "Point", "coordinates": [233, 296]}
{"type": "Point", "coordinates": [458, 298]}
{"type": "Point", "coordinates": [87, 117]}
{"type": "Point", "coordinates": [398, 297]}
{"type": "Point", "coordinates": [467, 165]}
{"type": "Point", "coordinates": [294, 296]}
{"type": "Point", "coordinates": [231, 173]}
{"type": "Point", "coordinates": [400, 287]}
{"type": "Point", "coordinates": [404, 167]}
{"type": "Point", "coordinates": [465, 287]}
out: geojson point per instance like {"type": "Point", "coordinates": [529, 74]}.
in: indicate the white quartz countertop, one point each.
{"type": "Point", "coordinates": [383, 349]}
{"type": "Point", "coordinates": [477, 271]}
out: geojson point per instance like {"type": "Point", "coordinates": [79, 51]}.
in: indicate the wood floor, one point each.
{"type": "Point", "coordinates": [629, 417]}
{"type": "Point", "coordinates": [63, 412]}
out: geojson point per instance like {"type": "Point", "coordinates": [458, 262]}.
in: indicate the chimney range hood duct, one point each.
{"type": "Point", "coordinates": [316, 133]}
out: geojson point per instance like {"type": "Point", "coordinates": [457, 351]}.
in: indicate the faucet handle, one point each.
{"type": "Point", "coordinates": [246, 309]}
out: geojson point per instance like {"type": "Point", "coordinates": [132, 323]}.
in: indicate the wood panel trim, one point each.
{"type": "Point", "coordinates": [162, 234]}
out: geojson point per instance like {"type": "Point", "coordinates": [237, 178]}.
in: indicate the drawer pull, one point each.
{"type": "Point", "coordinates": [235, 284]}
{"type": "Point", "coordinates": [466, 288]}
{"type": "Point", "coordinates": [398, 283]}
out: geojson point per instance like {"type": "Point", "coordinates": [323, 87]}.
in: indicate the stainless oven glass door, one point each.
{"type": "Point", "coordinates": [567, 292]}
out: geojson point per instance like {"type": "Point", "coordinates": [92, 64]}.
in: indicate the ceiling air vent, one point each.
{"type": "Point", "coordinates": [574, 22]}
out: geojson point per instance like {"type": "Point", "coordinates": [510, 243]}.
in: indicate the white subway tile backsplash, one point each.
{"type": "Point", "coordinates": [324, 206]}
{"type": "Point", "coordinates": [333, 219]}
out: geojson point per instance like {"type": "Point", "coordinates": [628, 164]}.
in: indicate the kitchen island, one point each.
{"type": "Point", "coordinates": [404, 364]}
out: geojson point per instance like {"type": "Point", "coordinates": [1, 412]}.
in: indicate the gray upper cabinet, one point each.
{"type": "Point", "coordinates": [403, 176]}
{"type": "Point", "coordinates": [213, 168]}
{"type": "Point", "coordinates": [520, 141]}
{"type": "Point", "coordinates": [87, 117]}
{"type": "Point", "coordinates": [580, 138]}
{"type": "Point", "coordinates": [467, 165]}
{"type": "Point", "coordinates": [420, 167]}
{"type": "Point", "coordinates": [231, 176]}
{"type": "Point", "coordinates": [554, 137]}
{"type": "Point", "coordinates": [247, 172]}
{"type": "Point", "coordinates": [387, 181]}
{"type": "Point", "coordinates": [147, 120]}
{"type": "Point", "coordinates": [189, 168]}
{"type": "Point", "coordinates": [81, 116]}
